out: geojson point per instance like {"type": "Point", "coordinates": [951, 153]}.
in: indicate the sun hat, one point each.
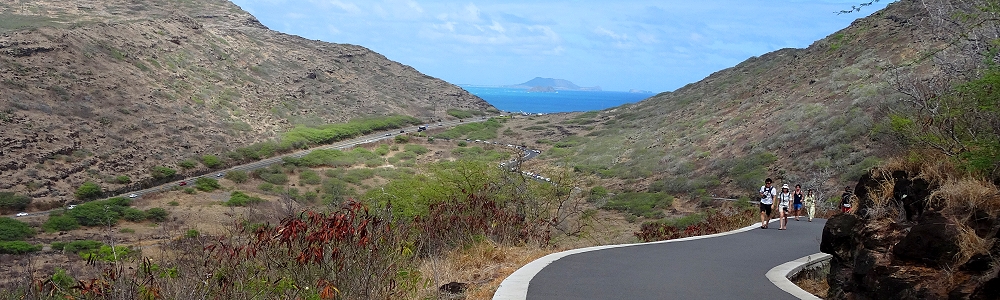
{"type": "Point", "coordinates": [784, 186]}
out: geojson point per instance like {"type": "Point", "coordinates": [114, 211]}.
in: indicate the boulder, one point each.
{"type": "Point", "coordinates": [932, 242]}
{"type": "Point", "coordinates": [838, 237]}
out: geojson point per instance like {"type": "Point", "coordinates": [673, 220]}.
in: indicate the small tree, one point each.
{"type": "Point", "coordinates": [14, 230]}
{"type": "Point", "coordinates": [89, 190]}
{"type": "Point", "coordinates": [160, 172]}
{"type": "Point", "coordinates": [11, 201]}
{"type": "Point", "coordinates": [61, 223]}
{"type": "Point", "coordinates": [187, 164]}
{"type": "Point", "coordinates": [237, 176]}
{"type": "Point", "coordinates": [157, 214]}
{"type": "Point", "coordinates": [211, 161]}
{"type": "Point", "coordinates": [122, 179]}
{"type": "Point", "coordinates": [206, 184]}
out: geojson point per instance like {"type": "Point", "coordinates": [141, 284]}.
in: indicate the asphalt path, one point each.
{"type": "Point", "coordinates": [724, 267]}
{"type": "Point", "coordinates": [370, 138]}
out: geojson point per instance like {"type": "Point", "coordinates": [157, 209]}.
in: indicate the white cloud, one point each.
{"type": "Point", "coordinates": [332, 30]}
{"type": "Point", "coordinates": [497, 27]}
{"type": "Point", "coordinates": [608, 33]}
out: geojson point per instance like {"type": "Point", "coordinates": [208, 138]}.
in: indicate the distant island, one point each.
{"type": "Point", "coordinates": [543, 84]}
{"type": "Point", "coordinates": [542, 89]}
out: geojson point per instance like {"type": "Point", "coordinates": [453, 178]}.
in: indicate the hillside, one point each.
{"type": "Point", "coordinates": [802, 116]}
{"type": "Point", "coordinates": [96, 89]}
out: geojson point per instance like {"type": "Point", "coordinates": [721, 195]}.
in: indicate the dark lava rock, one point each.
{"type": "Point", "coordinates": [933, 241]}
{"type": "Point", "coordinates": [453, 287]}
{"type": "Point", "coordinates": [838, 237]}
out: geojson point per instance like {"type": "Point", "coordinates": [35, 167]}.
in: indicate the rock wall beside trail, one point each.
{"type": "Point", "coordinates": [913, 238]}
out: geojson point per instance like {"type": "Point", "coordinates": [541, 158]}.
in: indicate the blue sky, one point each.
{"type": "Point", "coordinates": [618, 45]}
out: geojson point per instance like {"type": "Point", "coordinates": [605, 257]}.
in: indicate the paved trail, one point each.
{"type": "Point", "coordinates": [726, 267]}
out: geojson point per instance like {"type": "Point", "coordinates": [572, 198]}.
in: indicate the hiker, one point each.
{"type": "Point", "coordinates": [784, 199]}
{"type": "Point", "coordinates": [797, 201]}
{"type": "Point", "coordinates": [811, 204]}
{"type": "Point", "coordinates": [766, 200]}
{"type": "Point", "coordinates": [845, 200]}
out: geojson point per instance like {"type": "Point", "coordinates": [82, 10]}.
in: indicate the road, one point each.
{"type": "Point", "coordinates": [371, 138]}
{"type": "Point", "coordinates": [725, 267]}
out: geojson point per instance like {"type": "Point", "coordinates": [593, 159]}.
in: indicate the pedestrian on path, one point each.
{"type": "Point", "coordinates": [766, 201]}
{"type": "Point", "coordinates": [845, 200]}
{"type": "Point", "coordinates": [810, 204]}
{"type": "Point", "coordinates": [797, 201]}
{"type": "Point", "coordinates": [784, 199]}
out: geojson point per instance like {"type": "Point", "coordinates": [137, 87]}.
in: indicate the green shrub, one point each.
{"type": "Point", "coordinates": [597, 193]}
{"type": "Point", "coordinates": [211, 161]}
{"type": "Point", "coordinates": [107, 253]}
{"type": "Point", "coordinates": [416, 149]}
{"type": "Point", "coordinates": [14, 230]}
{"type": "Point", "coordinates": [78, 246]}
{"type": "Point", "coordinates": [309, 177]}
{"type": "Point", "coordinates": [126, 230]}
{"type": "Point", "coordinates": [237, 176]}
{"type": "Point", "coordinates": [60, 223]}
{"type": "Point", "coordinates": [187, 164]}
{"type": "Point", "coordinates": [462, 144]}
{"type": "Point", "coordinates": [265, 187]}
{"type": "Point", "coordinates": [18, 247]}
{"type": "Point", "coordinates": [122, 179]}
{"type": "Point", "coordinates": [190, 191]}
{"type": "Point", "coordinates": [134, 215]}
{"type": "Point", "coordinates": [88, 190]}
{"type": "Point", "coordinates": [401, 139]}
{"type": "Point", "coordinates": [63, 280]}
{"type": "Point", "coordinates": [192, 233]}
{"type": "Point", "coordinates": [461, 114]}
{"type": "Point", "coordinates": [12, 201]}
{"type": "Point", "coordinates": [374, 162]}
{"type": "Point", "coordinates": [237, 198]}
{"type": "Point", "coordinates": [157, 214]}
{"type": "Point", "coordinates": [173, 203]}
{"type": "Point", "coordinates": [336, 132]}
{"type": "Point", "coordinates": [99, 213]}
{"type": "Point", "coordinates": [382, 150]}
{"type": "Point", "coordinates": [206, 184]}
{"type": "Point", "coordinates": [161, 172]}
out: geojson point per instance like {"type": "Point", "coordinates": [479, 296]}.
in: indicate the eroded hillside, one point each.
{"type": "Point", "coordinates": [803, 116]}
{"type": "Point", "coordinates": [91, 90]}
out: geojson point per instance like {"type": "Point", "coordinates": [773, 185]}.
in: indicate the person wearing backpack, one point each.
{"type": "Point", "coordinates": [845, 200]}
{"type": "Point", "coordinates": [766, 201]}
{"type": "Point", "coordinates": [784, 200]}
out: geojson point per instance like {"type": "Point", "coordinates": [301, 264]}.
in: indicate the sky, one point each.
{"type": "Point", "coordinates": [618, 45]}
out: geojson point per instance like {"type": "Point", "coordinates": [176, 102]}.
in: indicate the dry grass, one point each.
{"type": "Point", "coordinates": [482, 265]}
{"type": "Point", "coordinates": [814, 285]}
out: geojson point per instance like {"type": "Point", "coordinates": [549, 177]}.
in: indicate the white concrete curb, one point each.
{"type": "Point", "coordinates": [515, 286]}
{"type": "Point", "coordinates": [779, 275]}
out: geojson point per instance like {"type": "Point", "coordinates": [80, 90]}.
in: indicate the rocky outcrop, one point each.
{"type": "Point", "coordinates": [127, 85]}
{"type": "Point", "coordinates": [904, 243]}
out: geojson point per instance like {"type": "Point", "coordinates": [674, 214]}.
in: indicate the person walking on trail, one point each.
{"type": "Point", "coordinates": [845, 200]}
{"type": "Point", "coordinates": [797, 201]}
{"type": "Point", "coordinates": [766, 201]}
{"type": "Point", "coordinates": [810, 202]}
{"type": "Point", "coordinates": [784, 199]}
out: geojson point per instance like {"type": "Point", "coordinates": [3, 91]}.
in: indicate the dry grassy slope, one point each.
{"type": "Point", "coordinates": [812, 108]}
{"type": "Point", "coordinates": [94, 89]}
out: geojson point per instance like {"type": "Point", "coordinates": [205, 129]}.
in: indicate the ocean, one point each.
{"type": "Point", "coordinates": [520, 100]}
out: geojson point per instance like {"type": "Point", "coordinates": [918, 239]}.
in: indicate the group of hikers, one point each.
{"type": "Point", "coordinates": [791, 203]}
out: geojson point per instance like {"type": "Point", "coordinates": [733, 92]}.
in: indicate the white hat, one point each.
{"type": "Point", "coordinates": [784, 186]}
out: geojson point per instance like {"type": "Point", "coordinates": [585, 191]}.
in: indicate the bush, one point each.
{"type": "Point", "coordinates": [309, 177]}
{"type": "Point", "coordinates": [416, 149]}
{"type": "Point", "coordinates": [134, 215]}
{"type": "Point", "coordinates": [206, 184]}
{"type": "Point", "coordinates": [237, 198]}
{"type": "Point", "coordinates": [382, 150]}
{"type": "Point", "coordinates": [265, 187]}
{"type": "Point", "coordinates": [157, 214]}
{"type": "Point", "coordinates": [190, 191]}
{"type": "Point", "coordinates": [237, 176]}
{"type": "Point", "coordinates": [187, 164]}
{"type": "Point", "coordinates": [458, 113]}
{"type": "Point", "coordinates": [61, 223]}
{"type": "Point", "coordinates": [77, 246]}
{"type": "Point", "coordinates": [401, 139]}
{"type": "Point", "coordinates": [11, 201]}
{"type": "Point", "coordinates": [88, 190]}
{"type": "Point", "coordinates": [160, 172]}
{"type": "Point", "coordinates": [107, 253]}
{"type": "Point", "coordinates": [192, 233]}
{"type": "Point", "coordinates": [211, 161]}
{"type": "Point", "coordinates": [173, 203]}
{"type": "Point", "coordinates": [18, 247]}
{"type": "Point", "coordinates": [14, 230]}
{"type": "Point", "coordinates": [99, 213]}
{"type": "Point", "coordinates": [275, 178]}
{"type": "Point", "coordinates": [122, 179]}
